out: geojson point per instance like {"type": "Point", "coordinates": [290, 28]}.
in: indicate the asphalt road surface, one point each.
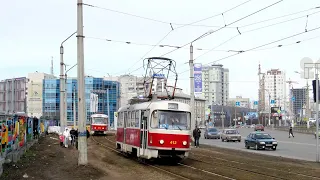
{"type": "Point", "coordinates": [302, 146]}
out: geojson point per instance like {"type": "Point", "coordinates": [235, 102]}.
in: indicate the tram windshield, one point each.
{"type": "Point", "coordinates": [99, 120]}
{"type": "Point", "coordinates": [170, 120]}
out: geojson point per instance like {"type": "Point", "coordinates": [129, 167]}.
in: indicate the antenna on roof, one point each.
{"type": "Point", "coordinates": [52, 66]}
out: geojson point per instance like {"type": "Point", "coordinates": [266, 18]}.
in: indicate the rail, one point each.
{"type": "Point", "coordinates": [299, 129]}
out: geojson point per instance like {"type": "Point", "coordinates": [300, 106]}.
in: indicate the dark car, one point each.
{"type": "Point", "coordinates": [259, 127]}
{"type": "Point", "coordinates": [212, 133]}
{"type": "Point", "coordinates": [260, 140]}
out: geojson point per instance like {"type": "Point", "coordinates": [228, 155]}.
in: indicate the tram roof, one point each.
{"type": "Point", "coordinates": [150, 104]}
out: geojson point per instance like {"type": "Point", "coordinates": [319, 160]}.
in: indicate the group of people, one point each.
{"type": "Point", "coordinates": [72, 136]}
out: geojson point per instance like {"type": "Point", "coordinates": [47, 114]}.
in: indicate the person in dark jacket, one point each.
{"type": "Point", "coordinates": [290, 132]}
{"type": "Point", "coordinates": [73, 136]}
{"type": "Point", "coordinates": [196, 136]}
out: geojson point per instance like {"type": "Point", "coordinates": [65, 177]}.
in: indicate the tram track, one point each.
{"type": "Point", "coordinates": [288, 173]}
{"type": "Point", "coordinates": [252, 168]}
{"type": "Point", "coordinates": [169, 169]}
{"type": "Point", "coordinates": [220, 165]}
{"type": "Point", "coordinates": [150, 165]}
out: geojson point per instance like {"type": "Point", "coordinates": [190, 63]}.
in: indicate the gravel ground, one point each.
{"type": "Point", "coordinates": [241, 165]}
{"type": "Point", "coordinates": [47, 160]}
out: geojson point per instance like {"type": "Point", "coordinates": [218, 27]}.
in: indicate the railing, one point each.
{"type": "Point", "coordinates": [300, 129]}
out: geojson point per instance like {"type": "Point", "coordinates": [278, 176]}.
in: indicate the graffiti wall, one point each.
{"type": "Point", "coordinates": [16, 131]}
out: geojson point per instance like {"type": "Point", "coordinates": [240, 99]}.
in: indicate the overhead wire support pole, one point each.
{"type": "Point", "coordinates": [82, 145]}
{"type": "Point", "coordinates": [63, 106]}
{"type": "Point", "coordinates": [191, 65]}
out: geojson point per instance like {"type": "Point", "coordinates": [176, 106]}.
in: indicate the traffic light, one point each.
{"type": "Point", "coordinates": [314, 90]}
{"type": "Point", "coordinates": [280, 117]}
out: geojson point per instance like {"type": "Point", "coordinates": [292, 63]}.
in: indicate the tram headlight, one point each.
{"type": "Point", "coordinates": [184, 143]}
{"type": "Point", "coordinates": [161, 141]}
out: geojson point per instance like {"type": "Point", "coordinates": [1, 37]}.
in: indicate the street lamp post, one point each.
{"type": "Point", "coordinates": [66, 94]}
{"type": "Point", "coordinates": [269, 122]}
{"type": "Point", "coordinates": [308, 64]}
{"type": "Point", "coordinates": [63, 114]}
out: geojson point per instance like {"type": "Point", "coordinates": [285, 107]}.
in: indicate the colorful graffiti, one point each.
{"type": "Point", "coordinates": [16, 131]}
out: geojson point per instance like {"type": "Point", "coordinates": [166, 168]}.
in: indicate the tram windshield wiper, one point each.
{"type": "Point", "coordinates": [179, 128]}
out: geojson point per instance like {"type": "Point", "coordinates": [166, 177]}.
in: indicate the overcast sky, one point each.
{"type": "Point", "coordinates": [31, 32]}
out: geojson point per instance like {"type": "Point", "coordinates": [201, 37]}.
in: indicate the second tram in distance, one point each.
{"type": "Point", "coordinates": [99, 124]}
{"type": "Point", "coordinates": [154, 129]}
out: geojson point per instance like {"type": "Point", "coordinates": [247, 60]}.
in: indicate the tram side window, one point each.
{"type": "Point", "coordinates": [129, 119]}
{"type": "Point", "coordinates": [154, 119]}
{"type": "Point", "coordinates": [133, 119]}
{"type": "Point", "coordinates": [120, 120]}
{"type": "Point", "coordinates": [125, 119]}
{"type": "Point", "coordinates": [137, 119]}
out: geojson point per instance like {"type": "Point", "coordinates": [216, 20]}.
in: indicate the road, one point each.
{"type": "Point", "coordinates": [302, 146]}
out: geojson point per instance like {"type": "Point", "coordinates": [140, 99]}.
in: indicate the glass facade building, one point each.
{"type": "Point", "coordinates": [103, 88]}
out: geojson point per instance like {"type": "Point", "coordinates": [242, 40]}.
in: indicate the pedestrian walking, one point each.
{"type": "Point", "coordinates": [73, 136]}
{"type": "Point", "coordinates": [290, 132]}
{"type": "Point", "coordinates": [66, 135]}
{"type": "Point", "coordinates": [196, 136]}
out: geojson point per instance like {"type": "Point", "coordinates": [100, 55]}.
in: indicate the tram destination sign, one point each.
{"type": "Point", "coordinates": [172, 106]}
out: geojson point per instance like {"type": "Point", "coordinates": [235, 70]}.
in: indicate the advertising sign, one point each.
{"type": "Point", "coordinates": [252, 115]}
{"type": "Point", "coordinates": [197, 78]}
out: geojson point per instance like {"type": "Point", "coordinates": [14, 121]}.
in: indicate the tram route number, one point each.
{"type": "Point", "coordinates": [173, 142]}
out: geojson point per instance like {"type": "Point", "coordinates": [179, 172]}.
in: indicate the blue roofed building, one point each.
{"type": "Point", "coordinates": [103, 88]}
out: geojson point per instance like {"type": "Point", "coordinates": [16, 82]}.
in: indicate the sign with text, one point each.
{"type": "Point", "coordinates": [197, 78]}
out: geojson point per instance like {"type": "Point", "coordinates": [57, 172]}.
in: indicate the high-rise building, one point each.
{"type": "Point", "coordinates": [215, 84]}
{"type": "Point", "coordinates": [35, 89]}
{"type": "Point", "coordinates": [244, 102]}
{"type": "Point", "coordinates": [13, 95]}
{"type": "Point", "coordinates": [275, 84]}
{"type": "Point", "coordinates": [106, 90]}
{"type": "Point", "coordinates": [300, 100]}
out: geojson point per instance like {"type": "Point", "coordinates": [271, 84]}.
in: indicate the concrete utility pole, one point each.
{"type": "Point", "coordinates": [108, 107]}
{"type": "Point", "coordinates": [74, 107]}
{"type": "Point", "coordinates": [63, 101]}
{"type": "Point", "coordinates": [62, 92]}
{"type": "Point", "coordinates": [192, 88]}
{"type": "Point", "coordinates": [82, 145]}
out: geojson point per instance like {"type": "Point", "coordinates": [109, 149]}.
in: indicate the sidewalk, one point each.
{"type": "Point", "coordinates": [47, 160]}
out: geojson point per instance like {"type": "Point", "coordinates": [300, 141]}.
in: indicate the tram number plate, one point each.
{"type": "Point", "coordinates": [99, 127]}
{"type": "Point", "coordinates": [173, 142]}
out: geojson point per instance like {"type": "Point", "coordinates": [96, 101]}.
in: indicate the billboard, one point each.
{"type": "Point", "coordinates": [93, 102]}
{"type": "Point", "coordinates": [252, 115]}
{"type": "Point", "coordinates": [197, 78]}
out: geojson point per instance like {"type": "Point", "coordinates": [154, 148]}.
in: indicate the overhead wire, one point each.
{"type": "Point", "coordinates": [263, 27]}
{"type": "Point", "coordinates": [165, 22]}
{"type": "Point", "coordinates": [211, 32]}
{"type": "Point", "coordinates": [214, 49]}
{"type": "Point", "coordinates": [145, 44]}
{"type": "Point", "coordinates": [257, 47]}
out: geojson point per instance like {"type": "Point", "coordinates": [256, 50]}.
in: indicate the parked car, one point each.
{"type": "Point", "coordinates": [259, 127]}
{"type": "Point", "coordinates": [212, 133]}
{"type": "Point", "coordinates": [230, 135]}
{"type": "Point", "coordinates": [260, 140]}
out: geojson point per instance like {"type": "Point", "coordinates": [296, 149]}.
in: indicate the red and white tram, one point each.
{"type": "Point", "coordinates": [99, 124]}
{"type": "Point", "coordinates": [154, 129]}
